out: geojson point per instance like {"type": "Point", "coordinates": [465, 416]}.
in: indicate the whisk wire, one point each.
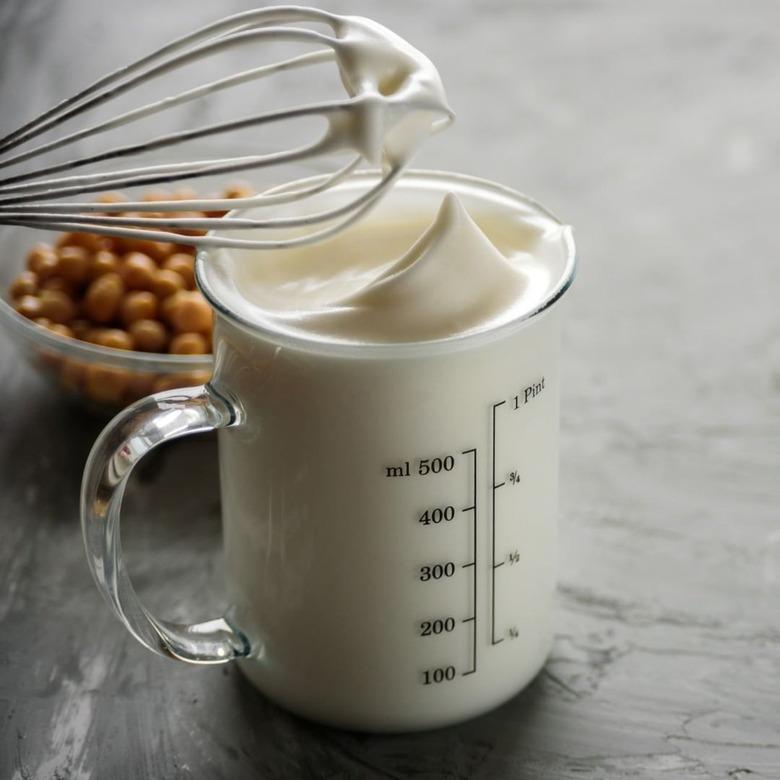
{"type": "Point", "coordinates": [278, 33]}
{"type": "Point", "coordinates": [311, 58]}
{"type": "Point", "coordinates": [199, 204]}
{"type": "Point", "coordinates": [238, 21]}
{"type": "Point", "coordinates": [200, 223]}
{"type": "Point", "coordinates": [10, 184]}
{"type": "Point", "coordinates": [364, 202]}
{"type": "Point", "coordinates": [30, 197]}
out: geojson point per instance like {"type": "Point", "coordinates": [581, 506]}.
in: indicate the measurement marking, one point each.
{"type": "Point", "coordinates": [493, 519]}
{"type": "Point", "coordinates": [473, 564]}
{"type": "Point", "coordinates": [468, 509]}
{"type": "Point", "coordinates": [496, 565]}
{"type": "Point", "coordinates": [468, 620]}
{"type": "Point", "coordinates": [500, 484]}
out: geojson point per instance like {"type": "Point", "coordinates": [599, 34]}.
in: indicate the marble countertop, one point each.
{"type": "Point", "coordinates": [653, 129]}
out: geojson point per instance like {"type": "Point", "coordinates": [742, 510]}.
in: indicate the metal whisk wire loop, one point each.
{"type": "Point", "coordinates": [36, 196]}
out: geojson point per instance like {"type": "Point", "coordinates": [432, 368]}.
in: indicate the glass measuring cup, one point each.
{"type": "Point", "coordinates": [388, 510]}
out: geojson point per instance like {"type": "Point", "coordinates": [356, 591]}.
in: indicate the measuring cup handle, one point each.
{"type": "Point", "coordinates": [127, 438]}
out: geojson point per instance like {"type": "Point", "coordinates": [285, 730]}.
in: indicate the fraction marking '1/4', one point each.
{"type": "Point", "coordinates": [494, 487]}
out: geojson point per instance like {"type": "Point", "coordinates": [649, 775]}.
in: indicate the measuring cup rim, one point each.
{"type": "Point", "coordinates": [399, 349]}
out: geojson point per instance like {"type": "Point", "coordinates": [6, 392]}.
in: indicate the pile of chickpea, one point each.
{"type": "Point", "coordinates": [125, 294]}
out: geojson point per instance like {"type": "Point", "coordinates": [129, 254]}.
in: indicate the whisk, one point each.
{"type": "Point", "coordinates": [394, 99]}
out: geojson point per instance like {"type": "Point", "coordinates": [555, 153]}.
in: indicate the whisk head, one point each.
{"type": "Point", "coordinates": [393, 100]}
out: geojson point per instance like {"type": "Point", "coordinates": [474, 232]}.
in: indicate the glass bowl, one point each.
{"type": "Point", "coordinates": [103, 379]}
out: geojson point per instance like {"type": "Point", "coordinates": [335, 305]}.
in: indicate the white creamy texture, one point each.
{"type": "Point", "coordinates": [400, 275]}
{"type": "Point", "coordinates": [401, 96]}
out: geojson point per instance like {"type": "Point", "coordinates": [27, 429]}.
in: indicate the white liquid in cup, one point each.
{"type": "Point", "coordinates": [389, 509]}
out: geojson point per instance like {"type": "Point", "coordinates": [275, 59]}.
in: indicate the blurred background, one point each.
{"type": "Point", "coordinates": [653, 129]}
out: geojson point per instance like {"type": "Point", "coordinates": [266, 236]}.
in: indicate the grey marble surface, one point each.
{"type": "Point", "coordinates": [653, 129]}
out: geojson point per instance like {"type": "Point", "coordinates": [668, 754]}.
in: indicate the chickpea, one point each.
{"type": "Point", "coordinates": [186, 249]}
{"type": "Point", "coordinates": [139, 305]}
{"type": "Point", "coordinates": [184, 265]}
{"type": "Point", "coordinates": [105, 384]}
{"type": "Point", "coordinates": [74, 263]}
{"type": "Point", "coordinates": [111, 197]}
{"type": "Point", "coordinates": [188, 344]}
{"type": "Point", "coordinates": [137, 270]}
{"type": "Point", "coordinates": [185, 193]}
{"type": "Point", "coordinates": [193, 378]}
{"type": "Point", "coordinates": [25, 284]}
{"type": "Point", "coordinates": [188, 311]}
{"type": "Point", "coordinates": [166, 382]}
{"type": "Point", "coordinates": [44, 322]}
{"type": "Point", "coordinates": [57, 306]}
{"type": "Point", "coordinates": [166, 283]}
{"type": "Point", "coordinates": [103, 297]}
{"type": "Point", "coordinates": [157, 250]}
{"type": "Point", "coordinates": [103, 262]}
{"type": "Point", "coordinates": [239, 189]}
{"type": "Point", "coordinates": [88, 241]}
{"type": "Point", "coordinates": [187, 231]}
{"type": "Point", "coordinates": [155, 195]}
{"type": "Point", "coordinates": [93, 335]}
{"type": "Point", "coordinates": [168, 304]}
{"type": "Point", "coordinates": [149, 335]}
{"type": "Point", "coordinates": [43, 260]}
{"type": "Point", "coordinates": [211, 212]}
{"type": "Point", "coordinates": [120, 246]}
{"type": "Point", "coordinates": [61, 330]}
{"type": "Point", "coordinates": [183, 379]}
{"type": "Point", "coordinates": [80, 327]}
{"type": "Point", "coordinates": [114, 338]}
{"type": "Point", "coordinates": [29, 306]}
{"type": "Point", "coordinates": [59, 283]}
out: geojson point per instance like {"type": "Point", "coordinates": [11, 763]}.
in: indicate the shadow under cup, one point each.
{"type": "Point", "coordinates": [389, 510]}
